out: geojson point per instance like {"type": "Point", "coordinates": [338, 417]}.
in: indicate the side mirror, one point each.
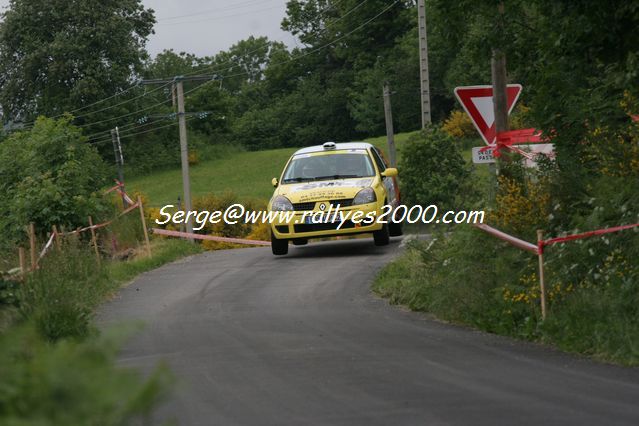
{"type": "Point", "coordinates": [275, 182]}
{"type": "Point", "coordinates": [390, 172]}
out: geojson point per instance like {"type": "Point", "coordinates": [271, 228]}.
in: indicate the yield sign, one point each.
{"type": "Point", "coordinates": [478, 104]}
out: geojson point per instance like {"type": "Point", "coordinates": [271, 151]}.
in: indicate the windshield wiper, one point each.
{"type": "Point", "coordinates": [336, 177]}
{"type": "Point", "coordinates": [297, 179]}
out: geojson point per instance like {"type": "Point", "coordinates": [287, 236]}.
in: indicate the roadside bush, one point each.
{"type": "Point", "coordinates": [433, 170]}
{"type": "Point", "coordinates": [458, 125]}
{"type": "Point", "coordinates": [469, 277]}
{"type": "Point", "coordinates": [49, 176]}
{"type": "Point", "coordinates": [71, 383]}
{"type": "Point", "coordinates": [60, 296]}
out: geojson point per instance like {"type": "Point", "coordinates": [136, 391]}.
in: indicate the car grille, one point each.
{"type": "Point", "coordinates": [315, 227]}
{"type": "Point", "coordinates": [299, 207]}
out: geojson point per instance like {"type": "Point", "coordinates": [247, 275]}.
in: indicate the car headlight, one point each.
{"type": "Point", "coordinates": [281, 204]}
{"type": "Point", "coordinates": [365, 196]}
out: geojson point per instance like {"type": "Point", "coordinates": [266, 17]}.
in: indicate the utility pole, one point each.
{"type": "Point", "coordinates": [390, 134]}
{"type": "Point", "coordinates": [119, 161]}
{"type": "Point", "coordinates": [423, 60]}
{"type": "Point", "coordinates": [184, 150]}
{"type": "Point", "coordinates": [178, 82]}
{"type": "Point", "coordinates": [500, 84]}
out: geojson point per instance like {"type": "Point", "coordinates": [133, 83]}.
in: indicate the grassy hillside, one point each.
{"type": "Point", "coordinates": [247, 174]}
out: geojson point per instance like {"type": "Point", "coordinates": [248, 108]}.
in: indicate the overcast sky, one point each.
{"type": "Point", "coordinates": [205, 27]}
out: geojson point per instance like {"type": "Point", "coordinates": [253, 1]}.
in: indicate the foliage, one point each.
{"type": "Point", "coordinates": [459, 125]}
{"type": "Point", "coordinates": [72, 382]}
{"type": "Point", "coordinates": [522, 207]}
{"type": "Point", "coordinates": [432, 169]}
{"type": "Point", "coordinates": [48, 176]}
{"type": "Point", "coordinates": [57, 56]}
{"type": "Point", "coordinates": [60, 296]}
{"type": "Point", "coordinates": [597, 317]}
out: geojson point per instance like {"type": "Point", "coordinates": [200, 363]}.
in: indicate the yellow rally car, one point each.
{"type": "Point", "coordinates": [323, 187]}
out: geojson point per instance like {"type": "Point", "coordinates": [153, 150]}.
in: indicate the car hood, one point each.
{"type": "Point", "coordinates": [324, 190]}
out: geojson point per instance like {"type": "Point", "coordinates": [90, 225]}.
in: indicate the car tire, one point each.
{"type": "Point", "coordinates": [278, 247]}
{"type": "Point", "coordinates": [395, 229]}
{"type": "Point", "coordinates": [300, 242]}
{"type": "Point", "coordinates": [382, 237]}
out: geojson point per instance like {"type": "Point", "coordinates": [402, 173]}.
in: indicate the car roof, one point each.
{"type": "Point", "coordinates": [338, 147]}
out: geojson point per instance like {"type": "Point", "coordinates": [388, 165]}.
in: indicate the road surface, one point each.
{"type": "Point", "coordinates": [298, 340]}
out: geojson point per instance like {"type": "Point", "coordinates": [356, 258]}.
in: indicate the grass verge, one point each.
{"type": "Point", "coordinates": [469, 278]}
{"type": "Point", "coordinates": [50, 329]}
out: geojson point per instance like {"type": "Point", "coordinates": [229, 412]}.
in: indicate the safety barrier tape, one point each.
{"type": "Point", "coordinates": [588, 234]}
{"type": "Point", "coordinates": [539, 248]}
{"type": "Point", "coordinates": [178, 234]}
{"type": "Point", "coordinates": [524, 245]}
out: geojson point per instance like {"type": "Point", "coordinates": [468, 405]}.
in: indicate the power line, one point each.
{"type": "Point", "coordinates": [28, 125]}
{"type": "Point", "coordinates": [128, 135]}
{"type": "Point", "coordinates": [223, 9]}
{"type": "Point", "coordinates": [296, 58]}
{"type": "Point", "coordinates": [217, 18]}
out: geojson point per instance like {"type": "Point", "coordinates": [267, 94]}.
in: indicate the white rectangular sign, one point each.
{"type": "Point", "coordinates": [483, 157]}
{"type": "Point", "coordinates": [486, 156]}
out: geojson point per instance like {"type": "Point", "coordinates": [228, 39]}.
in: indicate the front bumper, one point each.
{"type": "Point", "coordinates": [296, 228]}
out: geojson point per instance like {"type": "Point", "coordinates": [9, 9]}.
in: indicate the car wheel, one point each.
{"type": "Point", "coordinates": [382, 237]}
{"type": "Point", "coordinates": [395, 229]}
{"type": "Point", "coordinates": [301, 242]}
{"type": "Point", "coordinates": [279, 247]}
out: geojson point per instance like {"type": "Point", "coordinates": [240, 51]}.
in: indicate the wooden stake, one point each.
{"type": "Point", "coordinates": [23, 262]}
{"type": "Point", "coordinates": [542, 283]}
{"type": "Point", "coordinates": [146, 232]}
{"type": "Point", "coordinates": [32, 246]}
{"type": "Point", "coordinates": [94, 241]}
{"type": "Point", "coordinates": [58, 242]}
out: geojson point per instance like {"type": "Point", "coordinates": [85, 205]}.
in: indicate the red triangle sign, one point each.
{"type": "Point", "coordinates": [478, 104]}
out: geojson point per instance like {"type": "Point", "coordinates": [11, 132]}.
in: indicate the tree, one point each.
{"type": "Point", "coordinates": [60, 55]}
{"type": "Point", "coordinates": [49, 176]}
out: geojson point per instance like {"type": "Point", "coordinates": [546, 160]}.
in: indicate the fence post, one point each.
{"type": "Point", "coordinates": [542, 282]}
{"type": "Point", "coordinates": [146, 232]}
{"type": "Point", "coordinates": [32, 246]}
{"type": "Point", "coordinates": [94, 241]}
{"type": "Point", "coordinates": [23, 263]}
{"type": "Point", "coordinates": [58, 243]}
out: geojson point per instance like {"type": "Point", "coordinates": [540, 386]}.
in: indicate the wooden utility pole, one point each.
{"type": "Point", "coordinates": [423, 60]}
{"type": "Point", "coordinates": [119, 161]}
{"type": "Point", "coordinates": [500, 84]}
{"type": "Point", "coordinates": [184, 149]}
{"type": "Point", "coordinates": [500, 95]}
{"type": "Point", "coordinates": [390, 134]}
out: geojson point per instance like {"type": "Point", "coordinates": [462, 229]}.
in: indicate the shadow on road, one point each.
{"type": "Point", "coordinates": [345, 248]}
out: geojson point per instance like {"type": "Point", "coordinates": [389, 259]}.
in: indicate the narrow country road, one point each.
{"type": "Point", "coordinates": [300, 340]}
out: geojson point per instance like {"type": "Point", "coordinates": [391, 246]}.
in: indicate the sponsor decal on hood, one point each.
{"type": "Point", "coordinates": [360, 183]}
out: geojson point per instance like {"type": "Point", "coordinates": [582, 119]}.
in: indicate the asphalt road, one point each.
{"type": "Point", "coordinates": [259, 340]}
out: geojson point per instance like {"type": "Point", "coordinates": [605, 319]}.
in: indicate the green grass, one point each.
{"type": "Point", "coordinates": [164, 251]}
{"type": "Point", "coordinates": [246, 174]}
{"type": "Point", "coordinates": [461, 278]}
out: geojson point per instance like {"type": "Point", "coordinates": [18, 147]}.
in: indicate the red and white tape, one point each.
{"type": "Point", "coordinates": [178, 234]}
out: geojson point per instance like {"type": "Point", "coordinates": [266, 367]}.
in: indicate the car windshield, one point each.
{"type": "Point", "coordinates": [337, 165]}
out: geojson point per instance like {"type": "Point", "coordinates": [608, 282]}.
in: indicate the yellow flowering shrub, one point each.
{"type": "Point", "coordinates": [458, 125]}
{"type": "Point", "coordinates": [521, 207]}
